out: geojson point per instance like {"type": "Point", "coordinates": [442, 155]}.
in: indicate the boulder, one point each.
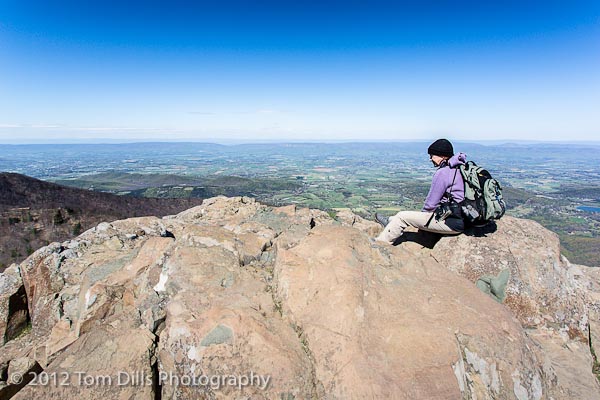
{"type": "Point", "coordinates": [542, 290]}
{"type": "Point", "coordinates": [553, 299]}
{"type": "Point", "coordinates": [235, 299]}
{"type": "Point", "coordinates": [403, 327]}
{"type": "Point", "coordinates": [16, 362]}
{"type": "Point", "coordinates": [113, 361]}
{"type": "Point", "coordinates": [14, 315]}
{"type": "Point", "coordinates": [221, 321]}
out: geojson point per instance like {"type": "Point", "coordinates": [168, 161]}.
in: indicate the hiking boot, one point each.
{"type": "Point", "coordinates": [382, 219]}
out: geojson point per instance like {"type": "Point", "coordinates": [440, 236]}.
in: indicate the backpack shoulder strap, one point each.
{"type": "Point", "coordinates": [452, 185]}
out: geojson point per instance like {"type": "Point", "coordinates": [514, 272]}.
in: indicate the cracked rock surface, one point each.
{"type": "Point", "coordinates": [308, 305]}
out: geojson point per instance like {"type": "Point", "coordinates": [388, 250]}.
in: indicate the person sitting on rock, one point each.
{"type": "Point", "coordinates": [447, 184]}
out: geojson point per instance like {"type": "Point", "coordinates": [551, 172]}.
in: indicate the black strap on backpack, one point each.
{"type": "Point", "coordinates": [452, 186]}
{"type": "Point", "coordinates": [449, 196]}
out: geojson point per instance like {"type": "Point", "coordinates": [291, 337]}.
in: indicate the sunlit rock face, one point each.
{"type": "Point", "coordinates": [235, 299]}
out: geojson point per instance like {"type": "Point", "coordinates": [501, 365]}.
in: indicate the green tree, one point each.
{"type": "Point", "coordinates": [77, 229]}
{"type": "Point", "coordinates": [58, 218]}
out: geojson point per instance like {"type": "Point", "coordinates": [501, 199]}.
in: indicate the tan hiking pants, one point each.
{"type": "Point", "coordinates": [399, 222]}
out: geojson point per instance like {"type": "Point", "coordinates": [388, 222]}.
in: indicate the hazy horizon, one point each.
{"type": "Point", "coordinates": [226, 142]}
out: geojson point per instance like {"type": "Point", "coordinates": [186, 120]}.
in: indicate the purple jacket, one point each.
{"type": "Point", "coordinates": [442, 183]}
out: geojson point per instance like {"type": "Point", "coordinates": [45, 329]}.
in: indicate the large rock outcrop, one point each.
{"type": "Point", "coordinates": [234, 299]}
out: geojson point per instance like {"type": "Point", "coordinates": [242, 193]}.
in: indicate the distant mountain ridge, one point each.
{"type": "Point", "coordinates": [34, 213]}
{"type": "Point", "coordinates": [18, 190]}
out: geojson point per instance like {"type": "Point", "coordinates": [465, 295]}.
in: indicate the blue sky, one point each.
{"type": "Point", "coordinates": [261, 70]}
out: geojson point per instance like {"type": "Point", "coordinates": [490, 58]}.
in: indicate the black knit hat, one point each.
{"type": "Point", "coordinates": [442, 148]}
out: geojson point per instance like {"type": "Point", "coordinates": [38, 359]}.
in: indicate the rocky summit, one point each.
{"type": "Point", "coordinates": [233, 299]}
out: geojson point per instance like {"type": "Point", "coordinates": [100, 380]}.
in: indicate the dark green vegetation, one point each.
{"type": "Point", "coordinates": [542, 182]}
{"type": "Point", "coordinates": [579, 231]}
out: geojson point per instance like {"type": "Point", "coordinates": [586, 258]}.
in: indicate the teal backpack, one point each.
{"type": "Point", "coordinates": [483, 196]}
